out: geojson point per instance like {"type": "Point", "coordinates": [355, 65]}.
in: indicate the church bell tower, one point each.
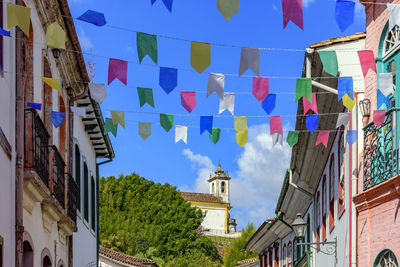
{"type": "Point", "coordinates": [219, 184]}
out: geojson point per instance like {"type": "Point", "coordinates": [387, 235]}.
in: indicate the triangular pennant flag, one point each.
{"type": "Point", "coordinates": [93, 17]}
{"type": "Point", "coordinates": [168, 79]}
{"type": "Point", "coordinates": [277, 138]}
{"type": "Point", "coordinates": [240, 123]}
{"type": "Point", "coordinates": [4, 32]}
{"type": "Point", "coordinates": [79, 111]}
{"type": "Point", "coordinates": [98, 92]}
{"type": "Point", "coordinates": [344, 13]}
{"type": "Point", "coordinates": [351, 136]}
{"type": "Point", "coordinates": [268, 103]}
{"type": "Point", "coordinates": [19, 16]}
{"type": "Point", "coordinates": [214, 137]}
{"type": "Point", "coordinates": [292, 11]}
{"type": "Point", "coordinates": [110, 127]}
{"type": "Point", "coordinates": [313, 105]}
{"type": "Point", "coordinates": [117, 69]}
{"type": "Point", "coordinates": [292, 138]}
{"type": "Point", "coordinates": [241, 137]}
{"type": "Point", "coordinates": [200, 56]}
{"type": "Point", "coordinates": [343, 119]}
{"type": "Point", "coordinates": [37, 106]}
{"type": "Point", "coordinates": [275, 124]}
{"type": "Point", "coordinates": [329, 61]}
{"type": "Point", "coordinates": [312, 122]}
{"type": "Point", "coordinates": [52, 82]}
{"type": "Point", "coordinates": [180, 133]}
{"type": "Point", "coordinates": [249, 59]}
{"type": "Point", "coordinates": [206, 123]}
{"type": "Point", "coordinates": [348, 102]}
{"type": "Point", "coordinates": [386, 83]}
{"type": "Point", "coordinates": [323, 138]}
{"type": "Point", "coordinates": [378, 117]}
{"type": "Point", "coordinates": [144, 129]}
{"type": "Point", "coordinates": [345, 86]}
{"type": "Point", "coordinates": [228, 102]}
{"type": "Point", "coordinates": [367, 61]}
{"type": "Point", "coordinates": [146, 45]}
{"type": "Point", "coordinates": [167, 121]}
{"type": "Point", "coordinates": [216, 83]}
{"type": "Point", "coordinates": [382, 100]}
{"type": "Point", "coordinates": [304, 88]}
{"type": "Point", "coordinates": [145, 96]}
{"type": "Point", "coordinates": [228, 8]}
{"type": "Point", "coordinates": [188, 100]}
{"type": "Point", "coordinates": [167, 4]}
{"type": "Point", "coordinates": [57, 118]}
{"type": "Point", "coordinates": [260, 88]}
{"type": "Point", "coordinates": [55, 36]}
{"type": "Point", "coordinates": [118, 117]}
{"type": "Point", "coordinates": [394, 15]}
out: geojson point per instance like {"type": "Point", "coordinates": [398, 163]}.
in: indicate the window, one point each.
{"type": "Point", "coordinates": [276, 262]}
{"type": "Point", "coordinates": [46, 262]}
{"type": "Point", "coordinates": [386, 258]}
{"type": "Point", "coordinates": [324, 195]}
{"type": "Point", "coordinates": [289, 254]}
{"type": "Point", "coordinates": [78, 176]}
{"type": "Point", "coordinates": [284, 258]}
{"type": "Point", "coordinates": [93, 204]}
{"type": "Point", "coordinates": [270, 258]}
{"type": "Point", "coordinates": [308, 232]}
{"type": "Point", "coordinates": [27, 257]}
{"type": "Point", "coordinates": [392, 40]}
{"type": "Point", "coordinates": [223, 187]}
{"type": "Point", "coordinates": [1, 41]}
{"type": "Point", "coordinates": [341, 163]}
{"type": "Point", "coordinates": [317, 213]}
{"type": "Point", "coordinates": [85, 192]}
{"type": "Point", "coordinates": [331, 194]}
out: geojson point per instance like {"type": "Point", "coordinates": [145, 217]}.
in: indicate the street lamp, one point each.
{"type": "Point", "coordinates": [299, 226]}
{"type": "Point", "coordinates": [365, 109]}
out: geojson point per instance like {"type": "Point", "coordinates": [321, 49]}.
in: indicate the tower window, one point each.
{"type": "Point", "coordinates": [212, 186]}
{"type": "Point", "coordinates": [223, 187]}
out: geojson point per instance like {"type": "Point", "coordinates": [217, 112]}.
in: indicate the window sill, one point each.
{"type": "Point", "coordinates": [341, 212]}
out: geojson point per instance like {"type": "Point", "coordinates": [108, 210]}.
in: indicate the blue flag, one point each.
{"type": "Point", "coordinates": [168, 79]}
{"type": "Point", "coordinates": [4, 32]}
{"type": "Point", "coordinates": [351, 136]}
{"type": "Point", "coordinates": [57, 118]}
{"type": "Point", "coordinates": [93, 17]}
{"type": "Point", "coordinates": [312, 122]}
{"type": "Point", "coordinates": [167, 3]}
{"type": "Point", "coordinates": [268, 103]}
{"type": "Point", "coordinates": [37, 106]}
{"type": "Point", "coordinates": [206, 123]}
{"type": "Point", "coordinates": [344, 13]}
{"type": "Point", "coordinates": [345, 86]}
{"type": "Point", "coordinates": [382, 99]}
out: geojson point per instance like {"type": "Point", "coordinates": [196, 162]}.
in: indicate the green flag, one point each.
{"type": "Point", "coordinates": [167, 121]}
{"type": "Point", "coordinates": [292, 138]}
{"type": "Point", "coordinates": [215, 135]}
{"type": "Point", "coordinates": [146, 45]}
{"type": "Point", "coordinates": [110, 127]}
{"type": "Point", "coordinates": [145, 96]}
{"type": "Point", "coordinates": [304, 88]}
{"type": "Point", "coordinates": [329, 61]}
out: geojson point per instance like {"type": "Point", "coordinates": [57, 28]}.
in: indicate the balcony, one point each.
{"type": "Point", "coordinates": [58, 180]}
{"type": "Point", "coordinates": [72, 194]}
{"type": "Point", "coordinates": [381, 151]}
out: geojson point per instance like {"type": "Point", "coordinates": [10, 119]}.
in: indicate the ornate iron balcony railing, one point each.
{"type": "Point", "coordinates": [72, 195]}
{"type": "Point", "coordinates": [58, 176]}
{"type": "Point", "coordinates": [380, 151]}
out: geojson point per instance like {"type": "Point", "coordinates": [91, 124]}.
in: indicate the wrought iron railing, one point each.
{"type": "Point", "coordinates": [58, 176]}
{"type": "Point", "coordinates": [36, 145]}
{"type": "Point", "coordinates": [380, 151]}
{"type": "Point", "coordinates": [72, 195]}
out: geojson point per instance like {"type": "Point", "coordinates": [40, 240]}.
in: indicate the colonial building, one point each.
{"type": "Point", "coordinates": [215, 205]}
{"type": "Point", "coordinates": [111, 258]}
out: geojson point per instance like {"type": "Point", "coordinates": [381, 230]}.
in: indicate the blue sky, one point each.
{"type": "Point", "coordinates": [257, 169]}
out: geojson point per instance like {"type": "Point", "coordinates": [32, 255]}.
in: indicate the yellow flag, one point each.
{"type": "Point", "coordinates": [348, 102]}
{"type": "Point", "coordinates": [55, 36]}
{"type": "Point", "coordinates": [19, 16]}
{"type": "Point", "coordinates": [118, 117]}
{"type": "Point", "coordinates": [52, 82]}
{"type": "Point", "coordinates": [200, 56]}
{"type": "Point", "coordinates": [240, 123]}
{"type": "Point", "coordinates": [241, 137]}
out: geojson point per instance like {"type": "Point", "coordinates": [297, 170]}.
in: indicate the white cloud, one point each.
{"type": "Point", "coordinates": [84, 40]}
{"type": "Point", "coordinates": [307, 2]}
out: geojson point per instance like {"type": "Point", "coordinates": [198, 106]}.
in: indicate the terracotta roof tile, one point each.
{"type": "Point", "coordinates": [201, 197]}
{"type": "Point", "coordinates": [247, 262]}
{"type": "Point", "coordinates": [336, 40]}
{"type": "Point", "coordinates": [118, 256]}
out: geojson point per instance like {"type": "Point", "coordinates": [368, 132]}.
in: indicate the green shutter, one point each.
{"type": "Point", "coordinates": [93, 205]}
{"type": "Point", "coordinates": [78, 176]}
{"type": "Point", "coordinates": [86, 192]}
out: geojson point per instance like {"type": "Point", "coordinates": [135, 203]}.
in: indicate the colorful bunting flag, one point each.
{"type": "Point", "coordinates": [292, 138]}
{"type": "Point", "coordinates": [180, 133]}
{"type": "Point", "coordinates": [55, 36]}
{"type": "Point", "coordinates": [292, 11]}
{"type": "Point", "coordinates": [57, 118]}
{"type": "Point", "coordinates": [52, 82]}
{"type": "Point", "coordinates": [313, 105]}
{"type": "Point", "coordinates": [386, 83]}
{"type": "Point", "coordinates": [240, 123]}
{"type": "Point", "coordinates": [329, 61]}
{"type": "Point", "coordinates": [19, 16]}
{"type": "Point", "coordinates": [167, 4]}
{"type": "Point", "coordinates": [241, 137]}
{"type": "Point", "coordinates": [351, 136]}
{"type": "Point", "coordinates": [382, 100]}
{"type": "Point", "coordinates": [214, 137]}
{"type": "Point", "coordinates": [249, 59]}
{"type": "Point", "coordinates": [98, 92]}
{"type": "Point", "coordinates": [144, 129]}
{"type": "Point", "coordinates": [268, 103]}
{"type": "Point", "coordinates": [145, 96]}
{"type": "Point", "coordinates": [344, 13]}
{"type": "Point", "coordinates": [93, 17]}
{"type": "Point", "coordinates": [228, 8]}
{"type": "Point", "coordinates": [323, 138]}
{"type": "Point", "coordinates": [4, 32]}
{"type": "Point", "coordinates": [367, 61]}
{"type": "Point", "coordinates": [168, 79]}
{"type": "Point", "coordinates": [117, 69]}
{"type": "Point", "coordinates": [345, 86]}
{"type": "Point", "coordinates": [304, 88]}
{"type": "Point", "coordinates": [343, 119]}
{"type": "Point", "coordinates": [110, 127]}
{"type": "Point", "coordinates": [79, 111]}
{"type": "Point", "coordinates": [378, 117]}
{"type": "Point", "coordinates": [188, 100]}
{"type": "Point", "coordinates": [348, 102]}
{"type": "Point", "coordinates": [394, 15]}
{"type": "Point", "coordinates": [216, 83]}
{"type": "Point", "coordinates": [275, 124]}
{"type": "Point", "coordinates": [37, 106]}
{"type": "Point", "coordinates": [228, 102]}
{"type": "Point", "coordinates": [200, 56]}
{"type": "Point", "coordinates": [277, 138]}
{"type": "Point", "coordinates": [118, 117]}
{"type": "Point", "coordinates": [260, 88]}
{"type": "Point", "coordinates": [146, 45]}
{"type": "Point", "coordinates": [206, 123]}
{"type": "Point", "coordinates": [312, 122]}
{"type": "Point", "coordinates": [167, 121]}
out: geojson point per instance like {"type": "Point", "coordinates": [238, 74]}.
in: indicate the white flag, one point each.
{"type": "Point", "coordinates": [228, 102]}
{"type": "Point", "coordinates": [79, 111]}
{"type": "Point", "coordinates": [216, 83]}
{"type": "Point", "coordinates": [180, 133]}
{"type": "Point", "coordinates": [98, 92]}
{"type": "Point", "coordinates": [394, 15]}
{"type": "Point", "coordinates": [249, 59]}
{"type": "Point", "coordinates": [343, 119]}
{"type": "Point", "coordinates": [276, 138]}
{"type": "Point", "coordinates": [386, 83]}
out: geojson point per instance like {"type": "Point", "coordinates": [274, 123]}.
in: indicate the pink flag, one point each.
{"type": "Point", "coordinates": [275, 124]}
{"type": "Point", "coordinates": [117, 69]}
{"type": "Point", "coordinates": [292, 10]}
{"type": "Point", "coordinates": [323, 137]}
{"type": "Point", "coordinates": [378, 117]}
{"type": "Point", "coordinates": [307, 105]}
{"type": "Point", "coordinates": [367, 61]}
{"type": "Point", "coordinates": [260, 88]}
{"type": "Point", "coordinates": [188, 100]}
